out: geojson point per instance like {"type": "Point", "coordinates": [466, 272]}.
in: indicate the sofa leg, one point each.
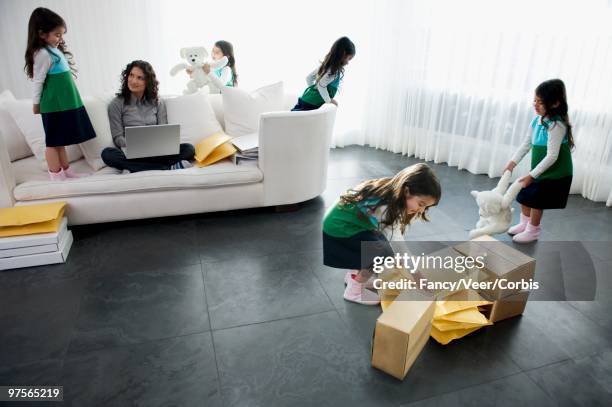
{"type": "Point", "coordinates": [286, 208]}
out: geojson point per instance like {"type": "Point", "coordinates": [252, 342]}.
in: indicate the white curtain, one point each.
{"type": "Point", "coordinates": [457, 80]}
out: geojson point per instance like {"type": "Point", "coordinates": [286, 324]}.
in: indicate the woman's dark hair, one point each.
{"type": "Point", "coordinates": [333, 60]}
{"type": "Point", "coordinates": [228, 50]}
{"type": "Point", "coordinates": [552, 92]}
{"type": "Point", "coordinates": [43, 21]}
{"type": "Point", "coordinates": [151, 87]}
{"type": "Point", "coordinates": [416, 180]}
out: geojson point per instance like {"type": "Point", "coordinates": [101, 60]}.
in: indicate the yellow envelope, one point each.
{"type": "Point", "coordinates": [219, 153]}
{"type": "Point", "coordinates": [444, 337]}
{"type": "Point", "coordinates": [213, 148]}
{"type": "Point", "coordinates": [470, 315]}
{"type": "Point", "coordinates": [448, 307]}
{"type": "Point", "coordinates": [31, 219]}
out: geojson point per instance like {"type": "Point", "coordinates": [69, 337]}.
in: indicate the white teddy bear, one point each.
{"type": "Point", "coordinates": [196, 57]}
{"type": "Point", "coordinates": [494, 207]}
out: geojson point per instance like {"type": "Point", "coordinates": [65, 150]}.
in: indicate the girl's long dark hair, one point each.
{"type": "Point", "coordinates": [43, 21]}
{"type": "Point", "coordinates": [333, 60]}
{"type": "Point", "coordinates": [552, 92]}
{"type": "Point", "coordinates": [152, 84]}
{"type": "Point", "coordinates": [228, 50]}
{"type": "Point", "coordinates": [417, 179]}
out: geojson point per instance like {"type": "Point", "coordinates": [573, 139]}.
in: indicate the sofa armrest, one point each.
{"type": "Point", "coordinates": [7, 179]}
{"type": "Point", "coordinates": [294, 154]}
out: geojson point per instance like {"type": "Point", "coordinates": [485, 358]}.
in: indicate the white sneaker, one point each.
{"type": "Point", "coordinates": [358, 293]}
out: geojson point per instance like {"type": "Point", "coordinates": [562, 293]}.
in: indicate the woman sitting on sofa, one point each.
{"type": "Point", "coordinates": [138, 104]}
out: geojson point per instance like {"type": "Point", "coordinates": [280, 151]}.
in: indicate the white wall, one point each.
{"type": "Point", "coordinates": [273, 40]}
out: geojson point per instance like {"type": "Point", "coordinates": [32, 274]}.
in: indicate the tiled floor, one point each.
{"type": "Point", "coordinates": [236, 309]}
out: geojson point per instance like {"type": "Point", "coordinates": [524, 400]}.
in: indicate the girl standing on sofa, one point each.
{"type": "Point", "coordinates": [55, 96]}
{"type": "Point", "coordinates": [363, 213]}
{"type": "Point", "coordinates": [550, 140]}
{"type": "Point", "coordinates": [225, 76]}
{"type": "Point", "coordinates": [323, 83]}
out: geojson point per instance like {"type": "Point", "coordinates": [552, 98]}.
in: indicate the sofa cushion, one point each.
{"type": "Point", "coordinates": [242, 110]}
{"type": "Point", "coordinates": [97, 110]}
{"type": "Point", "coordinates": [31, 126]}
{"type": "Point", "coordinates": [195, 115]}
{"type": "Point", "coordinates": [15, 141]}
{"type": "Point", "coordinates": [32, 186]}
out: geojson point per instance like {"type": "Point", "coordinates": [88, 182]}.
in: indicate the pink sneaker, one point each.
{"type": "Point", "coordinates": [530, 234]}
{"type": "Point", "coordinates": [519, 227]}
{"type": "Point", "coordinates": [57, 176]}
{"type": "Point", "coordinates": [347, 277]}
{"type": "Point", "coordinates": [71, 174]}
{"type": "Point", "coordinates": [356, 292]}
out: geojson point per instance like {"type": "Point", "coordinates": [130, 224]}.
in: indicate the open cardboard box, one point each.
{"type": "Point", "coordinates": [501, 262]}
{"type": "Point", "coordinates": [401, 333]}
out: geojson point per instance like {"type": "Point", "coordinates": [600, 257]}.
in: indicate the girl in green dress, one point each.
{"type": "Point", "coordinates": [55, 96]}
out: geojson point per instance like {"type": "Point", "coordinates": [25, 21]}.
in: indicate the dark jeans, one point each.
{"type": "Point", "coordinates": [301, 106]}
{"type": "Point", "coordinates": [114, 157]}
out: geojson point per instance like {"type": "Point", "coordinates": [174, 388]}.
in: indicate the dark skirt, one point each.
{"type": "Point", "coordinates": [347, 253]}
{"type": "Point", "coordinates": [301, 106]}
{"type": "Point", "coordinates": [67, 127]}
{"type": "Point", "coordinates": [546, 193]}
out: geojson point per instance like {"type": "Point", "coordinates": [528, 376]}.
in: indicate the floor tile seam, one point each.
{"type": "Point", "coordinates": [273, 320]}
{"type": "Point", "coordinates": [297, 252]}
{"type": "Point", "coordinates": [212, 339]}
{"type": "Point", "coordinates": [464, 387]}
{"type": "Point", "coordinates": [102, 272]}
{"type": "Point", "coordinates": [125, 345]}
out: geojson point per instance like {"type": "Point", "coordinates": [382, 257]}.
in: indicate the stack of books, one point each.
{"type": "Point", "coordinates": [247, 146]}
{"type": "Point", "coordinates": [34, 236]}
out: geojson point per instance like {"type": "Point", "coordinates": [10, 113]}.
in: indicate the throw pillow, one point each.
{"type": "Point", "coordinates": [15, 142]}
{"type": "Point", "coordinates": [195, 115]}
{"type": "Point", "coordinates": [242, 109]}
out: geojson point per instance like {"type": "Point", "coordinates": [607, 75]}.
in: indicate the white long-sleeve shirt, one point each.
{"type": "Point", "coordinates": [325, 80]}
{"type": "Point", "coordinates": [42, 64]}
{"type": "Point", "coordinates": [556, 134]}
{"type": "Point", "coordinates": [219, 83]}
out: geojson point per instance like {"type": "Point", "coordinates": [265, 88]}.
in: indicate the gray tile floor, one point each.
{"type": "Point", "coordinates": [236, 309]}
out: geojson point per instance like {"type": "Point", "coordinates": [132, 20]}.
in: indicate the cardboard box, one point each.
{"type": "Point", "coordinates": [436, 274]}
{"type": "Point", "coordinates": [507, 307]}
{"type": "Point", "coordinates": [501, 262]}
{"type": "Point", "coordinates": [401, 332]}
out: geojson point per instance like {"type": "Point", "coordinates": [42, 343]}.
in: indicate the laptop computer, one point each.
{"type": "Point", "coordinates": [152, 141]}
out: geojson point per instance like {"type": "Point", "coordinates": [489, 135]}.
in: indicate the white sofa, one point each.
{"type": "Point", "coordinates": [292, 168]}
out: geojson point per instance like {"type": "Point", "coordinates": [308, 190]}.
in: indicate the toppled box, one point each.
{"type": "Point", "coordinates": [401, 333]}
{"type": "Point", "coordinates": [502, 263]}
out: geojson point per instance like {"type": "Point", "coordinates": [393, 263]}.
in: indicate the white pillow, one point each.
{"type": "Point", "coordinates": [15, 142]}
{"type": "Point", "coordinates": [98, 115]}
{"type": "Point", "coordinates": [195, 115]}
{"type": "Point", "coordinates": [242, 109]}
{"type": "Point", "coordinates": [31, 126]}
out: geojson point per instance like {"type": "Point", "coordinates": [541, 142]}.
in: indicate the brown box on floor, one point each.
{"type": "Point", "coordinates": [507, 307]}
{"type": "Point", "coordinates": [502, 262]}
{"type": "Point", "coordinates": [434, 272]}
{"type": "Point", "coordinates": [401, 333]}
